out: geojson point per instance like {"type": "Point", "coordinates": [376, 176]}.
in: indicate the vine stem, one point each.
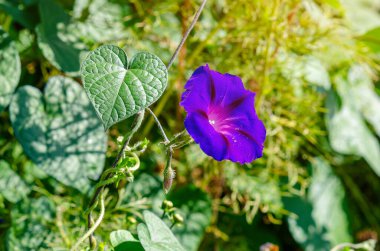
{"type": "Point", "coordinates": [159, 126]}
{"type": "Point", "coordinates": [195, 19]}
{"type": "Point", "coordinates": [95, 226]}
{"type": "Point", "coordinates": [136, 124]}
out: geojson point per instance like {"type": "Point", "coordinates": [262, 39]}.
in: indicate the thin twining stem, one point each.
{"type": "Point", "coordinates": [159, 126]}
{"type": "Point", "coordinates": [95, 226]}
{"type": "Point", "coordinates": [195, 19]}
{"type": "Point", "coordinates": [99, 190]}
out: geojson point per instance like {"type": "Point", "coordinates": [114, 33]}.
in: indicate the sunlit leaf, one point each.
{"type": "Point", "coordinates": [32, 227]}
{"type": "Point", "coordinates": [60, 131]}
{"type": "Point", "coordinates": [372, 39]}
{"type": "Point", "coordinates": [12, 187]}
{"type": "Point", "coordinates": [348, 132]}
{"type": "Point", "coordinates": [322, 220]}
{"type": "Point", "coordinates": [124, 240]}
{"type": "Point", "coordinates": [10, 69]}
{"type": "Point", "coordinates": [155, 235]}
{"type": "Point", "coordinates": [119, 89]}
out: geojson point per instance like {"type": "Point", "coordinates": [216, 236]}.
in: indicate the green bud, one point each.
{"type": "Point", "coordinates": [166, 204]}
{"type": "Point", "coordinates": [131, 220]}
{"type": "Point", "coordinates": [177, 218]}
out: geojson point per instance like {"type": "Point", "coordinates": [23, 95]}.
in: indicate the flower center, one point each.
{"type": "Point", "coordinates": [216, 121]}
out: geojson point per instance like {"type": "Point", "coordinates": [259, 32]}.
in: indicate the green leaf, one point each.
{"type": "Point", "coordinates": [60, 131]}
{"type": "Point", "coordinates": [32, 226]}
{"type": "Point", "coordinates": [348, 132]}
{"type": "Point", "coordinates": [12, 187]}
{"type": "Point", "coordinates": [372, 39]}
{"type": "Point", "coordinates": [316, 73]}
{"type": "Point", "coordinates": [362, 15]}
{"type": "Point", "coordinates": [195, 207]}
{"type": "Point", "coordinates": [101, 26]}
{"type": "Point", "coordinates": [359, 93]}
{"type": "Point", "coordinates": [124, 240]}
{"type": "Point", "coordinates": [314, 228]}
{"type": "Point", "coordinates": [155, 235]}
{"type": "Point", "coordinates": [119, 89]}
{"type": "Point", "coordinates": [119, 236]}
{"type": "Point", "coordinates": [20, 13]}
{"type": "Point", "coordinates": [10, 69]}
{"type": "Point", "coordinates": [61, 48]}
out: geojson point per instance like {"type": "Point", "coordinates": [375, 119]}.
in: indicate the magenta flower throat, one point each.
{"type": "Point", "coordinates": [221, 116]}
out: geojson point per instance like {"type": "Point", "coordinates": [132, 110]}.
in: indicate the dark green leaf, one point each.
{"type": "Point", "coordinates": [119, 89]}
{"type": "Point", "coordinates": [60, 47]}
{"type": "Point", "coordinates": [60, 132]}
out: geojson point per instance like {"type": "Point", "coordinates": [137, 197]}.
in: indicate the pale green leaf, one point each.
{"type": "Point", "coordinates": [348, 132]}
{"type": "Point", "coordinates": [10, 69]}
{"type": "Point", "coordinates": [123, 240]}
{"type": "Point", "coordinates": [60, 131]}
{"type": "Point", "coordinates": [120, 236]}
{"type": "Point", "coordinates": [155, 235]}
{"type": "Point", "coordinates": [362, 15]}
{"type": "Point", "coordinates": [359, 93]}
{"type": "Point", "coordinates": [322, 220]}
{"type": "Point", "coordinates": [119, 89]}
{"type": "Point", "coordinates": [12, 187]}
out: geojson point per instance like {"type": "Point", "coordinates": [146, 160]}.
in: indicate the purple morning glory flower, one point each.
{"type": "Point", "coordinates": [221, 116]}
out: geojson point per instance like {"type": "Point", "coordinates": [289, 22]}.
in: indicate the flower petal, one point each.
{"type": "Point", "coordinates": [211, 142]}
{"type": "Point", "coordinates": [221, 116]}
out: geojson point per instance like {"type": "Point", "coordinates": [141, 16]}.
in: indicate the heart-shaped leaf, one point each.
{"type": "Point", "coordinates": [124, 240]}
{"type": "Point", "coordinates": [60, 131]}
{"type": "Point", "coordinates": [10, 69]}
{"type": "Point", "coordinates": [155, 235]}
{"type": "Point", "coordinates": [119, 89]}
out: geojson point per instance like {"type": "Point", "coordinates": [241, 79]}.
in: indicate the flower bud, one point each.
{"type": "Point", "coordinates": [177, 218]}
{"type": "Point", "coordinates": [169, 175]}
{"type": "Point", "coordinates": [166, 204]}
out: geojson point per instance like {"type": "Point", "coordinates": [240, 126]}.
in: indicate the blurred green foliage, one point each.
{"type": "Point", "coordinates": [315, 67]}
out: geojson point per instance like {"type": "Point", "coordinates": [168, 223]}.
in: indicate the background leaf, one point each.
{"type": "Point", "coordinates": [61, 48]}
{"type": "Point", "coordinates": [349, 134]}
{"type": "Point", "coordinates": [10, 69]}
{"type": "Point", "coordinates": [119, 89]}
{"type": "Point", "coordinates": [195, 207]}
{"type": "Point", "coordinates": [32, 228]}
{"type": "Point", "coordinates": [60, 132]}
{"type": "Point", "coordinates": [322, 220]}
{"type": "Point", "coordinates": [12, 187]}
